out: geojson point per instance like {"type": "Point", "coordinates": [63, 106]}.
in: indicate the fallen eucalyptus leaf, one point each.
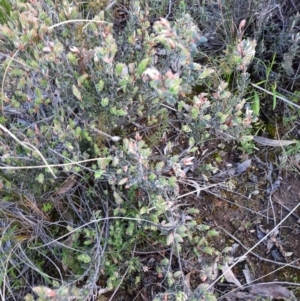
{"type": "Point", "coordinates": [234, 171]}
{"type": "Point", "coordinates": [248, 275]}
{"type": "Point", "coordinates": [242, 167]}
{"type": "Point", "coordinates": [229, 276]}
{"type": "Point", "coordinates": [272, 290]}
{"type": "Point", "coordinates": [122, 181]}
{"type": "Point", "coordinates": [214, 269]}
{"type": "Point", "coordinates": [67, 185]}
{"type": "Point", "coordinates": [238, 296]}
{"type": "Point", "coordinates": [272, 142]}
{"type": "Point", "coordinates": [187, 284]}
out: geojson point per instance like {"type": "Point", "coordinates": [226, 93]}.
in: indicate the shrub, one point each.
{"type": "Point", "coordinates": [89, 99]}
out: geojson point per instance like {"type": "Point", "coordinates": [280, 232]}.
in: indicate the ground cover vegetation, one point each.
{"type": "Point", "coordinates": [149, 150]}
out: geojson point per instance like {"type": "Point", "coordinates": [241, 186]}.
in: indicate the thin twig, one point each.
{"type": "Point", "coordinates": [49, 165]}
{"type": "Point", "coordinates": [250, 250]}
{"type": "Point", "coordinates": [28, 146]}
{"type": "Point", "coordinates": [76, 20]}
{"type": "Point", "coordinates": [256, 255]}
{"type": "Point", "coordinates": [3, 80]}
{"type": "Point", "coordinates": [278, 96]}
{"type": "Point", "coordinates": [169, 9]}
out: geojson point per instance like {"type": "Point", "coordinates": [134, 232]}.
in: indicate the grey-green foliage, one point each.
{"type": "Point", "coordinates": [89, 72]}
{"type": "Point", "coordinates": [65, 77]}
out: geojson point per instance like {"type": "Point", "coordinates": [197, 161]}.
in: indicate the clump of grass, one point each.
{"type": "Point", "coordinates": [5, 10]}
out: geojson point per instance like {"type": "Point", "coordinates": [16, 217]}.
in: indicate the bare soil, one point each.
{"type": "Point", "coordinates": [242, 210]}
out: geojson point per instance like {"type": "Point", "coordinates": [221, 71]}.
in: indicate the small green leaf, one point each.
{"type": "Point", "coordinates": [208, 250]}
{"type": "Point", "coordinates": [84, 258]}
{"type": "Point", "coordinates": [191, 224]}
{"type": "Point", "coordinates": [181, 104]}
{"type": "Point", "coordinates": [121, 112]}
{"type": "Point", "coordinates": [81, 79]}
{"type": "Point", "coordinates": [104, 102]}
{"type": "Point", "coordinates": [159, 166]}
{"type": "Point", "coordinates": [118, 69]}
{"type": "Point", "coordinates": [172, 181]}
{"type": "Point", "coordinates": [143, 210]}
{"type": "Point", "coordinates": [181, 230]}
{"type": "Point", "coordinates": [182, 7]}
{"type": "Point", "coordinates": [206, 72]}
{"type": "Point", "coordinates": [246, 138]}
{"type": "Point", "coordinates": [194, 113]}
{"type": "Point", "coordinates": [193, 211]}
{"type": "Point", "coordinates": [40, 178]}
{"type": "Point", "coordinates": [118, 199]}
{"type": "Point", "coordinates": [69, 145]}
{"type": "Point", "coordinates": [256, 104]}
{"type": "Point", "coordinates": [2, 120]}
{"type": "Point", "coordinates": [202, 227]}
{"type": "Point", "coordinates": [28, 297]}
{"type": "Point", "coordinates": [178, 237]}
{"type": "Point", "coordinates": [99, 174]}
{"type": "Point", "coordinates": [177, 274]}
{"type": "Point", "coordinates": [213, 232]}
{"type": "Point", "coordinates": [227, 249]}
{"type": "Point", "coordinates": [100, 86]}
{"type": "Point", "coordinates": [47, 207]}
{"type": "Point", "coordinates": [142, 66]}
{"type": "Point", "coordinates": [191, 143]}
{"type": "Point", "coordinates": [76, 92]}
{"type": "Point", "coordinates": [170, 239]}
{"type": "Point", "coordinates": [152, 177]}
{"type": "Point", "coordinates": [72, 58]}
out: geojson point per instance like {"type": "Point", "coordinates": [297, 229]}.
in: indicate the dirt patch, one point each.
{"type": "Point", "coordinates": [285, 200]}
{"type": "Point", "coordinates": [244, 212]}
